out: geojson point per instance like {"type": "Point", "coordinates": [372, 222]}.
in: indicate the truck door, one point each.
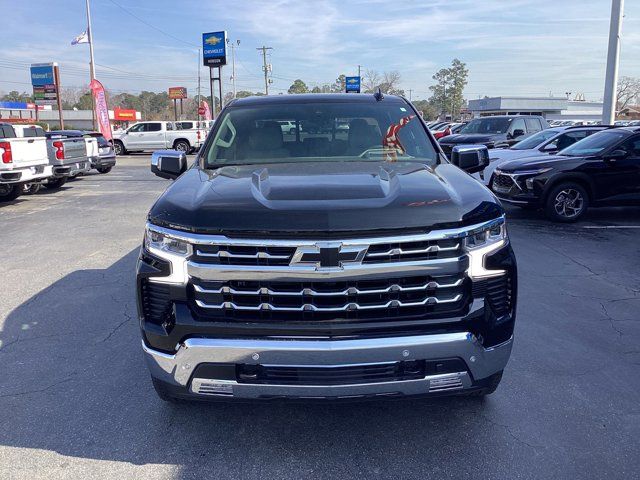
{"type": "Point", "coordinates": [154, 136]}
{"type": "Point", "coordinates": [134, 138]}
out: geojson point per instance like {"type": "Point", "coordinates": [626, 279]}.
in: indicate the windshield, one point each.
{"type": "Point", "coordinates": [487, 125]}
{"type": "Point", "coordinates": [319, 132]}
{"type": "Point", "coordinates": [594, 144]}
{"type": "Point", "coordinates": [534, 140]}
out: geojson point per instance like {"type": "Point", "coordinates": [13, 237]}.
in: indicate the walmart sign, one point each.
{"type": "Point", "coordinates": [214, 49]}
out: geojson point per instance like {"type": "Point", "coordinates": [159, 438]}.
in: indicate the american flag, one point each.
{"type": "Point", "coordinates": [391, 143]}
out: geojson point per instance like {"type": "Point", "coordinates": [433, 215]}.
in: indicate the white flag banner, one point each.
{"type": "Point", "coordinates": [82, 38]}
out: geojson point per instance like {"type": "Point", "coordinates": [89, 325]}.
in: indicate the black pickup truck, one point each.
{"type": "Point", "coordinates": [353, 262]}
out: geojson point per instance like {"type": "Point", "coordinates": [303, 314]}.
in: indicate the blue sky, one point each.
{"type": "Point", "coordinates": [514, 47]}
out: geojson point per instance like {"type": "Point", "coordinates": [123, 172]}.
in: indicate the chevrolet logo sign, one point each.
{"type": "Point", "coordinates": [327, 255]}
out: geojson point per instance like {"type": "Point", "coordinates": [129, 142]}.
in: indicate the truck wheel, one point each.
{"type": "Point", "coordinates": [55, 183]}
{"type": "Point", "coordinates": [103, 169]}
{"type": "Point", "coordinates": [30, 188]}
{"type": "Point", "coordinates": [182, 146]}
{"type": "Point", "coordinates": [566, 202]}
{"type": "Point", "coordinates": [493, 385]}
{"type": "Point", "coordinates": [9, 192]}
{"type": "Point", "coordinates": [118, 147]}
{"type": "Point", "coordinates": [163, 394]}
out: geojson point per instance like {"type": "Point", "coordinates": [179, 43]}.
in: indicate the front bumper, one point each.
{"type": "Point", "coordinates": [25, 175]}
{"type": "Point", "coordinates": [179, 371]}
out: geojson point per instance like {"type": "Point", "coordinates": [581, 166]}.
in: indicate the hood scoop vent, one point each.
{"type": "Point", "coordinates": [299, 185]}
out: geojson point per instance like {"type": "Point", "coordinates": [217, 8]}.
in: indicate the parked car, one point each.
{"type": "Point", "coordinates": [288, 126]}
{"type": "Point", "coordinates": [295, 267]}
{"type": "Point", "coordinates": [106, 159]}
{"type": "Point", "coordinates": [147, 136]}
{"type": "Point", "coordinates": [602, 169]}
{"type": "Point", "coordinates": [24, 161]}
{"type": "Point", "coordinates": [457, 127]}
{"type": "Point", "coordinates": [495, 132]}
{"type": "Point", "coordinates": [92, 148]}
{"type": "Point", "coordinates": [549, 141]}
{"type": "Point", "coordinates": [67, 154]}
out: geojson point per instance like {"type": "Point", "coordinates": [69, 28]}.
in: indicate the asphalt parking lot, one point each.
{"type": "Point", "coordinates": [77, 401]}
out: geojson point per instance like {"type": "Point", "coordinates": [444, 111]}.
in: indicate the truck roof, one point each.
{"type": "Point", "coordinates": [314, 98]}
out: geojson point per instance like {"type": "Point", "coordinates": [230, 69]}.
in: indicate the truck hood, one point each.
{"type": "Point", "coordinates": [470, 138]}
{"type": "Point", "coordinates": [323, 197]}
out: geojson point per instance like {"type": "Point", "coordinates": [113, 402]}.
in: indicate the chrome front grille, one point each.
{"type": "Point", "coordinates": [378, 251]}
{"type": "Point", "coordinates": [275, 300]}
{"type": "Point", "coordinates": [243, 255]}
{"type": "Point", "coordinates": [407, 251]}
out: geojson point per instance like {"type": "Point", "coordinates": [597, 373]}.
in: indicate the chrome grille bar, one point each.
{"type": "Point", "coordinates": [311, 292]}
{"type": "Point", "coordinates": [226, 254]}
{"type": "Point", "coordinates": [401, 251]}
{"type": "Point", "coordinates": [313, 308]}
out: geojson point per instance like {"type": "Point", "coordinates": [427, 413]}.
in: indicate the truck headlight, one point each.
{"type": "Point", "coordinates": [480, 243]}
{"type": "Point", "coordinates": [154, 240]}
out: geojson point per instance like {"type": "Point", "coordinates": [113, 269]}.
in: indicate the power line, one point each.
{"type": "Point", "coordinates": [152, 26]}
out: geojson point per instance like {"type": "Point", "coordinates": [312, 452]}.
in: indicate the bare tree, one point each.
{"type": "Point", "coordinates": [628, 92]}
{"type": "Point", "coordinates": [370, 81]}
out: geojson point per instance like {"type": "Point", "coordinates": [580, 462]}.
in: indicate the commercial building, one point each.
{"type": "Point", "coordinates": [552, 108]}
{"type": "Point", "coordinates": [20, 112]}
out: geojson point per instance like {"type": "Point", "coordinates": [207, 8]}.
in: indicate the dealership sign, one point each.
{"type": "Point", "coordinates": [45, 90]}
{"type": "Point", "coordinates": [214, 49]}
{"type": "Point", "coordinates": [352, 84]}
{"type": "Point", "coordinates": [177, 93]}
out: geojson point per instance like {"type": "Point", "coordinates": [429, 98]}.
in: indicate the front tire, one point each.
{"type": "Point", "coordinates": [182, 146]}
{"type": "Point", "coordinates": [163, 394]}
{"type": "Point", "coordinates": [118, 147]}
{"type": "Point", "coordinates": [55, 183]}
{"type": "Point", "coordinates": [567, 202]}
{"type": "Point", "coordinates": [9, 192]}
{"type": "Point", "coordinates": [30, 188]}
{"type": "Point", "coordinates": [492, 387]}
{"type": "Point", "coordinates": [104, 169]}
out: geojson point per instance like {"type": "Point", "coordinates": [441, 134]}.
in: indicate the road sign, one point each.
{"type": "Point", "coordinates": [214, 49]}
{"type": "Point", "coordinates": [352, 84]}
{"type": "Point", "coordinates": [177, 93]}
{"type": "Point", "coordinates": [45, 91]}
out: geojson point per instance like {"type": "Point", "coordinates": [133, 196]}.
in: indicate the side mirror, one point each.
{"type": "Point", "coordinates": [550, 148]}
{"type": "Point", "coordinates": [615, 155]}
{"type": "Point", "coordinates": [517, 133]}
{"type": "Point", "coordinates": [470, 158]}
{"type": "Point", "coordinates": [168, 163]}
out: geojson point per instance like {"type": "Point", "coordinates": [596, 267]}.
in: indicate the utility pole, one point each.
{"type": "Point", "coordinates": [410, 94]}
{"type": "Point", "coordinates": [613, 57]}
{"type": "Point", "coordinates": [359, 68]}
{"type": "Point", "coordinates": [198, 94]}
{"type": "Point", "coordinates": [233, 46]}
{"type": "Point", "coordinates": [92, 71]}
{"type": "Point", "coordinates": [265, 67]}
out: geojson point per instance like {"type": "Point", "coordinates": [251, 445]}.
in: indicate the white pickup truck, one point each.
{"type": "Point", "coordinates": [23, 159]}
{"type": "Point", "coordinates": [145, 136]}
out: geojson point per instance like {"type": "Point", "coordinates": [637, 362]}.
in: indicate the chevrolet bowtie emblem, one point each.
{"type": "Point", "coordinates": [328, 255]}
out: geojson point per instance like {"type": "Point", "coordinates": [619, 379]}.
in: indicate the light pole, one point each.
{"type": "Point", "coordinates": [233, 46]}
{"type": "Point", "coordinates": [613, 56]}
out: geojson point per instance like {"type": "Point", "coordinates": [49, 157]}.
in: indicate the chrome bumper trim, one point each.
{"type": "Point", "coordinates": [177, 369]}
{"type": "Point", "coordinates": [445, 382]}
